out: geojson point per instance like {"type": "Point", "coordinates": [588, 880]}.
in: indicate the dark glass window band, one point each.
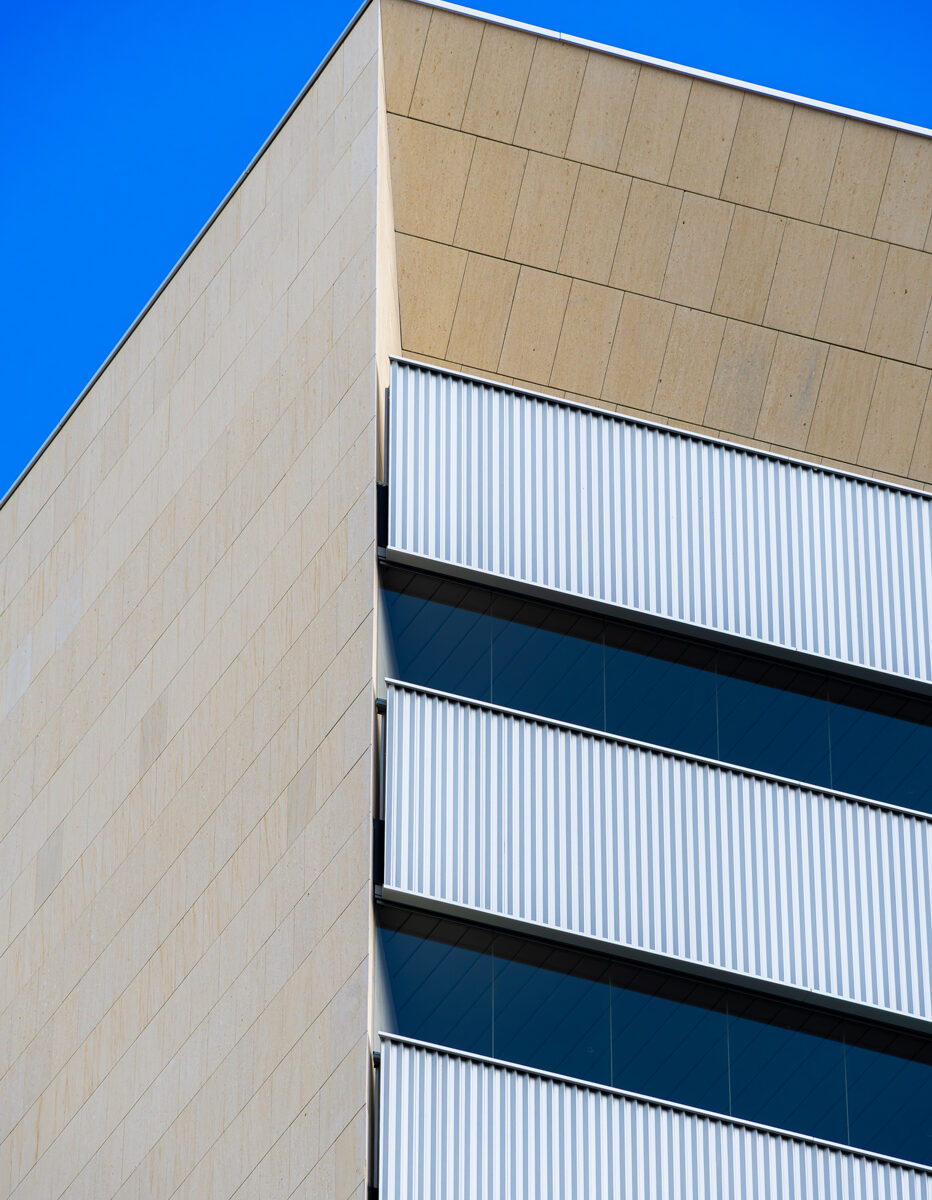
{"type": "Point", "coordinates": [673, 691]}
{"type": "Point", "coordinates": [659, 1034]}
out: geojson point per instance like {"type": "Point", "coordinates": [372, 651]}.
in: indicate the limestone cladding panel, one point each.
{"type": "Point", "coordinates": [186, 636]}
{"type": "Point", "coordinates": [739, 242]}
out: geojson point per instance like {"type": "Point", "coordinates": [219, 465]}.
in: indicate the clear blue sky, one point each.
{"type": "Point", "coordinates": [125, 123]}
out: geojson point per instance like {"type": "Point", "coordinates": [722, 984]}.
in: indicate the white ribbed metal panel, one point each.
{"type": "Point", "coordinates": [453, 1126]}
{"type": "Point", "coordinates": [654, 851]}
{"type": "Point", "coordinates": [652, 520]}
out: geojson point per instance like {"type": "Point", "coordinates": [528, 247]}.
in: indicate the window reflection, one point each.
{"type": "Point", "coordinates": [441, 982]}
{"type": "Point", "coordinates": [552, 1009]}
{"type": "Point", "coordinates": [547, 662]}
{"type": "Point", "coordinates": [889, 1100]}
{"type": "Point", "coordinates": [639, 683]}
{"type": "Point", "coordinates": [439, 635]}
{"type": "Point", "coordinates": [881, 745]}
{"type": "Point", "coordinates": [658, 1034]}
{"type": "Point", "coordinates": [670, 1039]}
{"type": "Point", "coordinates": [784, 1075]}
{"type": "Point", "coordinates": [660, 690]}
{"type": "Point", "coordinates": [773, 718]}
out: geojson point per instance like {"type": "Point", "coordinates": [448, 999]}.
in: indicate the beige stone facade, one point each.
{"type": "Point", "coordinates": [187, 639]}
{"type": "Point", "coordinates": [590, 226]}
{"type": "Point", "coordinates": [189, 574]}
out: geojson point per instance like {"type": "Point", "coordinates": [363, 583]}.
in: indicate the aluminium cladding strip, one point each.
{"type": "Point", "coordinates": [610, 841]}
{"type": "Point", "coordinates": [619, 513]}
{"type": "Point", "coordinates": [455, 1126]}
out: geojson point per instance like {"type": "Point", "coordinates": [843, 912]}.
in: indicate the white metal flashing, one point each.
{"type": "Point", "coordinates": [645, 422]}
{"type": "Point", "coordinates": [455, 1123]}
{"type": "Point", "coordinates": [739, 1122]}
{"type": "Point", "coordinates": [603, 735]}
{"type": "Point", "coordinates": [679, 68]}
{"type": "Point", "coordinates": [615, 513]}
{"type": "Point", "coordinates": [637, 851]}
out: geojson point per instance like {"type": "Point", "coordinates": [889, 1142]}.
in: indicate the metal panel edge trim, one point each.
{"type": "Point", "coordinates": [679, 68]}
{"type": "Point", "coordinates": [679, 755]}
{"type": "Point", "coordinates": [665, 1105]}
{"type": "Point", "coordinates": [672, 430]}
{"type": "Point", "coordinates": [759, 984]}
{"type": "Point", "coordinates": [505, 583]}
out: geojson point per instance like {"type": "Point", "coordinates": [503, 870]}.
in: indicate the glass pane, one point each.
{"type": "Point", "coordinates": [440, 634]}
{"type": "Point", "coordinates": [669, 1040]}
{"type": "Point", "coordinates": [890, 1100]}
{"type": "Point", "coordinates": [660, 690]}
{"type": "Point", "coordinates": [784, 1076]}
{"type": "Point", "coordinates": [441, 986]}
{"type": "Point", "coordinates": [547, 661]}
{"type": "Point", "coordinates": [552, 1010]}
{"type": "Point", "coordinates": [772, 718]}
{"type": "Point", "coordinates": [881, 746]}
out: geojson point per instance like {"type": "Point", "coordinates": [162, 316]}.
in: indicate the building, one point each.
{"type": "Point", "coordinates": [546, 752]}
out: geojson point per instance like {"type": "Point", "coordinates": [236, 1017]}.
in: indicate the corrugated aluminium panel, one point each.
{"type": "Point", "coordinates": [600, 838]}
{"type": "Point", "coordinates": [621, 513]}
{"type": "Point", "coordinates": [453, 1126]}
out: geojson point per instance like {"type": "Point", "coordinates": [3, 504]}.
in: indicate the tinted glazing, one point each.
{"type": "Point", "coordinates": [547, 662]}
{"type": "Point", "coordinates": [658, 1034]}
{"type": "Point", "coordinates": [669, 691]}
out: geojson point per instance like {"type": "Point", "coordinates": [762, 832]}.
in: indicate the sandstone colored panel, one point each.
{"type": "Point", "coordinates": [920, 466]}
{"type": "Point", "coordinates": [189, 766]}
{"type": "Point", "coordinates": [534, 325]}
{"type": "Point", "coordinates": [594, 224]}
{"type": "Point", "coordinates": [637, 352]}
{"type": "Point", "coordinates": [893, 421]}
{"type": "Point", "coordinates": [697, 251]}
{"type": "Point", "coordinates": [748, 265]}
{"type": "Point", "coordinates": [429, 279]}
{"type": "Point", "coordinates": [851, 291]}
{"type": "Point", "coordinates": [740, 378]}
{"type": "Point", "coordinates": [792, 389]}
{"type": "Point", "coordinates": [689, 365]}
{"type": "Point", "coordinates": [925, 346]}
{"type": "Point", "coordinates": [858, 177]}
{"type": "Point", "coordinates": [404, 31]}
{"type": "Point", "coordinates": [756, 151]}
{"type": "Point", "coordinates": [654, 124]}
{"type": "Point", "coordinates": [806, 164]}
{"type": "Point", "coordinates": [491, 197]}
{"type": "Point", "coordinates": [585, 167]}
{"type": "Point", "coordinates": [843, 403]}
{"type": "Point", "coordinates": [422, 151]}
{"type": "Point", "coordinates": [543, 210]}
{"type": "Point", "coordinates": [482, 312]}
{"type": "Point", "coordinates": [499, 80]}
{"type": "Point", "coordinates": [586, 338]}
{"type": "Point", "coordinates": [799, 278]}
{"type": "Point", "coordinates": [647, 233]}
{"type": "Point", "coordinates": [446, 69]}
{"type": "Point", "coordinates": [706, 137]}
{"type": "Point", "coordinates": [550, 97]}
{"type": "Point", "coordinates": [902, 304]}
{"type": "Point", "coordinates": [906, 204]}
{"type": "Point", "coordinates": [602, 110]}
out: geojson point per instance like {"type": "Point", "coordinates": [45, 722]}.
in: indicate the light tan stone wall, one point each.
{"type": "Point", "coordinates": [585, 225]}
{"type": "Point", "coordinates": [186, 642]}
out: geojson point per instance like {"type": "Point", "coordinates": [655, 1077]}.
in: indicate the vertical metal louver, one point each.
{"type": "Point", "coordinates": [613, 511]}
{"type": "Point", "coordinates": [654, 851]}
{"type": "Point", "coordinates": [453, 1126]}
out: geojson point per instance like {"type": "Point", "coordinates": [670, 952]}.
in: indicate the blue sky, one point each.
{"type": "Point", "coordinates": [124, 124]}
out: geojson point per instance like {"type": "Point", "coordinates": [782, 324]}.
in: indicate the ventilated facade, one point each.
{"type": "Point", "coordinates": [466, 658]}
